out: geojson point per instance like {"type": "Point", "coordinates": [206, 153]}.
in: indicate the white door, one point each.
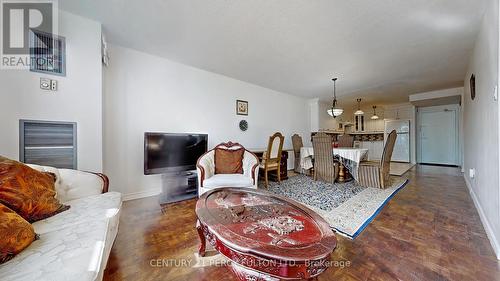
{"type": "Point", "coordinates": [438, 135]}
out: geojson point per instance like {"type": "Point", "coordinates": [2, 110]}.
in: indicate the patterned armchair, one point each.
{"type": "Point", "coordinates": [208, 179]}
{"type": "Point", "coordinates": [377, 174]}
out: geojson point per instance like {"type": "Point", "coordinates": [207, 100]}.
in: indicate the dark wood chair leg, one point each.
{"type": "Point", "coordinates": [279, 174]}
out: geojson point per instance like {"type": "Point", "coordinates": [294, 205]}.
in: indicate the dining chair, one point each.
{"type": "Point", "coordinates": [325, 167]}
{"type": "Point", "coordinates": [297, 145]}
{"type": "Point", "coordinates": [271, 160]}
{"type": "Point", "coordinates": [345, 141]}
{"type": "Point", "coordinates": [377, 173]}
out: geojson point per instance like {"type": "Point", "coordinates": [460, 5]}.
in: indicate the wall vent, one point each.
{"type": "Point", "coordinates": [48, 143]}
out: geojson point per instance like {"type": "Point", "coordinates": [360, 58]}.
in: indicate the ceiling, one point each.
{"type": "Point", "coordinates": [382, 51]}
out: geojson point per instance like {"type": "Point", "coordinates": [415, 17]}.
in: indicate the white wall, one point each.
{"type": "Point", "coordinates": [79, 98]}
{"type": "Point", "coordinates": [146, 93]}
{"type": "Point", "coordinates": [314, 115]}
{"type": "Point", "coordinates": [481, 126]}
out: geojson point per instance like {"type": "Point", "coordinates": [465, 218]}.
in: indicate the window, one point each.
{"type": "Point", "coordinates": [48, 143]}
{"type": "Point", "coordinates": [47, 53]}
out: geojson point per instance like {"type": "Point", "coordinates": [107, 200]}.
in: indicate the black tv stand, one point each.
{"type": "Point", "coordinates": [178, 186]}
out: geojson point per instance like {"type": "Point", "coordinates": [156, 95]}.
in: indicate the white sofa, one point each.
{"type": "Point", "coordinates": [74, 244]}
{"type": "Point", "coordinates": [208, 180]}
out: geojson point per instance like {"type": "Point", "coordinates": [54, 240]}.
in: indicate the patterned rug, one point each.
{"type": "Point", "coordinates": [347, 207]}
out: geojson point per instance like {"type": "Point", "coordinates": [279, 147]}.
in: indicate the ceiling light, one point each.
{"type": "Point", "coordinates": [359, 111]}
{"type": "Point", "coordinates": [375, 116]}
{"type": "Point", "coordinates": [335, 111]}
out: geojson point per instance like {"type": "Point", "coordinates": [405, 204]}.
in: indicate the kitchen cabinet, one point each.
{"type": "Point", "coordinates": [374, 125]}
{"type": "Point", "coordinates": [359, 123]}
{"type": "Point", "coordinates": [364, 123]}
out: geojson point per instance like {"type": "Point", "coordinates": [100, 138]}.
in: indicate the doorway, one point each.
{"type": "Point", "coordinates": [438, 135]}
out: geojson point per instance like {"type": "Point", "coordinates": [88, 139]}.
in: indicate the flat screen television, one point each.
{"type": "Point", "coordinates": [164, 152]}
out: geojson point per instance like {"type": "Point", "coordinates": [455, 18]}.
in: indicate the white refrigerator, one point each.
{"type": "Point", "coordinates": [401, 151]}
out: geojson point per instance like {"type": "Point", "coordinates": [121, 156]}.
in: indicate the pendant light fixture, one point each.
{"type": "Point", "coordinates": [335, 111]}
{"type": "Point", "coordinates": [359, 111]}
{"type": "Point", "coordinates": [375, 116]}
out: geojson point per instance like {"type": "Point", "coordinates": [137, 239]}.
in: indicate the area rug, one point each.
{"type": "Point", "coordinates": [347, 207]}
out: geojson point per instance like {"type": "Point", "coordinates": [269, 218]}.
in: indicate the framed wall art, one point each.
{"type": "Point", "coordinates": [241, 107]}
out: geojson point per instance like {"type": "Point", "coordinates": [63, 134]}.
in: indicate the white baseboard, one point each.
{"type": "Point", "coordinates": [141, 194]}
{"type": "Point", "coordinates": [487, 227]}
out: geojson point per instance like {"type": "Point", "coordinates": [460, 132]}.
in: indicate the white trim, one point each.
{"type": "Point", "coordinates": [487, 227]}
{"type": "Point", "coordinates": [452, 92]}
{"type": "Point", "coordinates": [498, 103]}
{"type": "Point", "coordinates": [141, 194]}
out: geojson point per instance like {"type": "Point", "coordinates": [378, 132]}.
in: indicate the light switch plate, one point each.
{"type": "Point", "coordinates": [45, 84]}
{"type": "Point", "coordinates": [495, 93]}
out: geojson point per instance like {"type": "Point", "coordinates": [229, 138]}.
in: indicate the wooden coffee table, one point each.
{"type": "Point", "coordinates": [266, 237]}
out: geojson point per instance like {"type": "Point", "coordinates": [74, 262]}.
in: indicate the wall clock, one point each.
{"type": "Point", "coordinates": [472, 83]}
{"type": "Point", "coordinates": [243, 125]}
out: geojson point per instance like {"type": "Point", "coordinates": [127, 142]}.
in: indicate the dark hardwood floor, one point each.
{"type": "Point", "coordinates": [429, 231]}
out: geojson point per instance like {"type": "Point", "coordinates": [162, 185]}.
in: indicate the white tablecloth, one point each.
{"type": "Point", "coordinates": [350, 158]}
{"type": "Point", "coordinates": [306, 156]}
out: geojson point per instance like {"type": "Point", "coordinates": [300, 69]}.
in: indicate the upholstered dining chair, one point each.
{"type": "Point", "coordinates": [297, 145]}
{"type": "Point", "coordinates": [214, 169]}
{"type": "Point", "coordinates": [346, 141]}
{"type": "Point", "coordinates": [271, 160]}
{"type": "Point", "coordinates": [377, 174]}
{"type": "Point", "coordinates": [325, 167]}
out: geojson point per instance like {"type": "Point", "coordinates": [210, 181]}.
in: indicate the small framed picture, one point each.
{"type": "Point", "coordinates": [241, 107]}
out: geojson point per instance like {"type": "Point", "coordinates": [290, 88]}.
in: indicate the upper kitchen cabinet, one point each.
{"type": "Point", "coordinates": [359, 123]}
{"type": "Point", "coordinates": [375, 125]}
{"type": "Point", "coordinates": [364, 123]}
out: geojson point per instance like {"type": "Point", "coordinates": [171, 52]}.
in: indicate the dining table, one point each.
{"type": "Point", "coordinates": [349, 158]}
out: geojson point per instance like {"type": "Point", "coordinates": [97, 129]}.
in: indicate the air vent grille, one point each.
{"type": "Point", "coordinates": [48, 143]}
